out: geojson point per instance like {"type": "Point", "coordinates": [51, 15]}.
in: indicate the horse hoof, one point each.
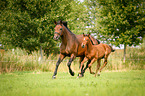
{"type": "Point", "coordinates": [79, 76]}
{"type": "Point", "coordinates": [98, 74]}
{"type": "Point", "coordinates": [72, 73]}
{"type": "Point", "coordinates": [92, 72]}
{"type": "Point", "coordinates": [53, 77]}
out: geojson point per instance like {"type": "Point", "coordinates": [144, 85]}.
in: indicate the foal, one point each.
{"type": "Point", "coordinates": [94, 53]}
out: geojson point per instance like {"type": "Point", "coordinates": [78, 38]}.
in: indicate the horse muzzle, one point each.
{"type": "Point", "coordinates": [56, 37]}
{"type": "Point", "coordinates": [83, 46]}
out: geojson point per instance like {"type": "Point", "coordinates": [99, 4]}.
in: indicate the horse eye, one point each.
{"type": "Point", "coordinates": [60, 28]}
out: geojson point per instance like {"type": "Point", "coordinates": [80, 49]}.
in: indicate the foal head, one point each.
{"type": "Point", "coordinates": [86, 38]}
{"type": "Point", "coordinates": [58, 30]}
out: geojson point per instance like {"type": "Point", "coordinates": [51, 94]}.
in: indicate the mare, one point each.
{"type": "Point", "coordinates": [94, 53]}
{"type": "Point", "coordinates": [70, 46]}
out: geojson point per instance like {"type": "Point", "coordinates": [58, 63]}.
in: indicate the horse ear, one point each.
{"type": "Point", "coordinates": [89, 35]}
{"type": "Point", "coordinates": [55, 22]}
{"type": "Point", "coordinates": [83, 34]}
{"type": "Point", "coordinates": [60, 22]}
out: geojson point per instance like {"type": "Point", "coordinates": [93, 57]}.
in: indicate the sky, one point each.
{"type": "Point", "coordinates": [81, 0]}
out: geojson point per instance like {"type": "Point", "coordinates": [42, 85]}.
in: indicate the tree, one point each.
{"type": "Point", "coordinates": [24, 23]}
{"type": "Point", "coordinates": [28, 24]}
{"type": "Point", "coordinates": [120, 21]}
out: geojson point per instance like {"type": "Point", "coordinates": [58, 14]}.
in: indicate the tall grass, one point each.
{"type": "Point", "coordinates": [135, 59]}
{"type": "Point", "coordinates": [19, 60]}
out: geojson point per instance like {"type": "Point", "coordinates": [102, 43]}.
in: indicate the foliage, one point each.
{"type": "Point", "coordinates": [129, 83]}
{"type": "Point", "coordinates": [28, 24]}
{"type": "Point", "coordinates": [120, 21]}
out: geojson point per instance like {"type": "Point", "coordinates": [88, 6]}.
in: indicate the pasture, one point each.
{"type": "Point", "coordinates": [110, 83]}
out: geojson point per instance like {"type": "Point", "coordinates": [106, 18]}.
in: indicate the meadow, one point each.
{"type": "Point", "coordinates": [36, 83]}
{"type": "Point", "coordinates": [23, 74]}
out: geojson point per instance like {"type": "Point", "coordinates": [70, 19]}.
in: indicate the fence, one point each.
{"type": "Point", "coordinates": [78, 60]}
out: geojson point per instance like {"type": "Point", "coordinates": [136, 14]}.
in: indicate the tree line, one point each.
{"type": "Point", "coordinates": [28, 24]}
{"type": "Point", "coordinates": [119, 21]}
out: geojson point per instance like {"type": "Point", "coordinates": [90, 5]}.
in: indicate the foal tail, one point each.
{"type": "Point", "coordinates": [112, 50]}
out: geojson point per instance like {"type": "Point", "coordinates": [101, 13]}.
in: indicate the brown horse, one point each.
{"type": "Point", "coordinates": [70, 46]}
{"type": "Point", "coordinates": [94, 53]}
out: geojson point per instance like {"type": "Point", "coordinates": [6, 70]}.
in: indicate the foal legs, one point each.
{"type": "Point", "coordinates": [92, 61]}
{"type": "Point", "coordinates": [89, 64]}
{"type": "Point", "coordinates": [98, 66]}
{"type": "Point", "coordinates": [91, 72]}
{"type": "Point", "coordinates": [81, 59]}
{"type": "Point", "coordinates": [83, 71]}
{"type": "Point", "coordinates": [105, 63]}
{"type": "Point", "coordinates": [81, 67]}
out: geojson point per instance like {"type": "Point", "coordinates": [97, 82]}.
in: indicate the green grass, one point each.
{"type": "Point", "coordinates": [125, 83]}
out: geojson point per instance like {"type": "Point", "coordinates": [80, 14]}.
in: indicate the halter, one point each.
{"type": "Point", "coordinates": [59, 33]}
{"type": "Point", "coordinates": [56, 33]}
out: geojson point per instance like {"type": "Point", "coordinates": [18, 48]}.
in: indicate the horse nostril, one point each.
{"type": "Point", "coordinates": [55, 37]}
{"type": "Point", "coordinates": [83, 46]}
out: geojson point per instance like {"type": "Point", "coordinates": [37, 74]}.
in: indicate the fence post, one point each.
{"type": "Point", "coordinates": [41, 53]}
{"type": "Point", "coordinates": [124, 57]}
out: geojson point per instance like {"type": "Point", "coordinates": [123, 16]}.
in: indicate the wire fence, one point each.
{"type": "Point", "coordinates": [77, 60]}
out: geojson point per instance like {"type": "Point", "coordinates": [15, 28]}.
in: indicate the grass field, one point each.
{"type": "Point", "coordinates": [125, 83]}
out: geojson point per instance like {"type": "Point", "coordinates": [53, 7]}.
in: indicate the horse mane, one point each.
{"type": "Point", "coordinates": [65, 24]}
{"type": "Point", "coordinates": [90, 39]}
{"type": "Point", "coordinates": [98, 41]}
{"type": "Point", "coordinates": [69, 30]}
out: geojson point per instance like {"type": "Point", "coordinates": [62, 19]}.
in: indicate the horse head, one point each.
{"type": "Point", "coordinates": [58, 30]}
{"type": "Point", "coordinates": [86, 38]}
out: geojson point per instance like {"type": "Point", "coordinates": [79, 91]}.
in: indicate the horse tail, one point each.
{"type": "Point", "coordinates": [112, 50]}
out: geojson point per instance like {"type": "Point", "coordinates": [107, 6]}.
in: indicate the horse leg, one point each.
{"type": "Point", "coordinates": [69, 64]}
{"type": "Point", "coordinates": [91, 72]}
{"type": "Point", "coordinates": [105, 63]}
{"type": "Point", "coordinates": [61, 57]}
{"type": "Point", "coordinates": [81, 59]}
{"type": "Point", "coordinates": [92, 61]}
{"type": "Point", "coordinates": [98, 66]}
{"type": "Point", "coordinates": [83, 71]}
{"type": "Point", "coordinates": [81, 67]}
